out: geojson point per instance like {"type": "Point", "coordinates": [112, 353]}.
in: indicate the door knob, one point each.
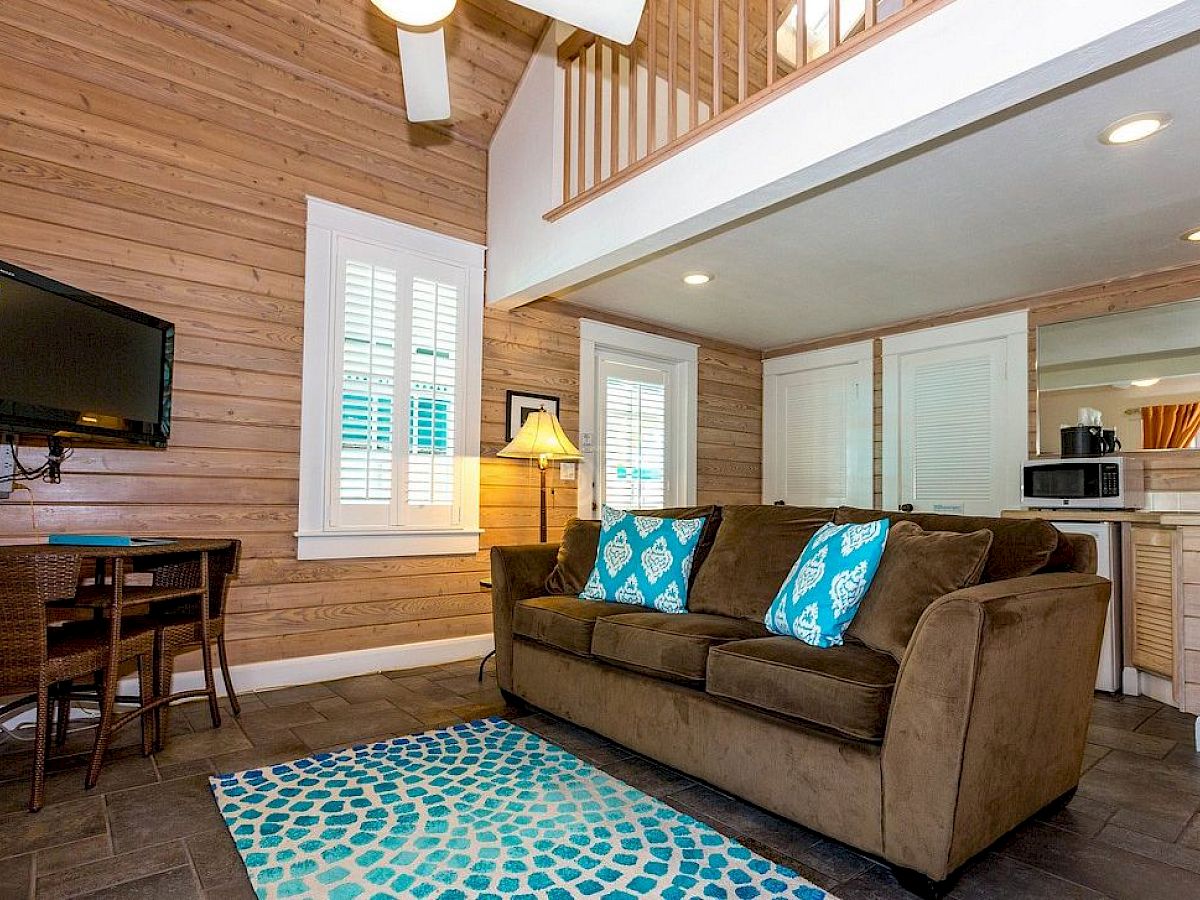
{"type": "Point", "coordinates": [906, 507]}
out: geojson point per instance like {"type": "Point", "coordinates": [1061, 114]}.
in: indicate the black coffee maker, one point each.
{"type": "Point", "coordinates": [1088, 440]}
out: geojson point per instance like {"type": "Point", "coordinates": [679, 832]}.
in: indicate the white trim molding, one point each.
{"type": "Point", "coordinates": [326, 530]}
{"type": "Point", "coordinates": [856, 360]}
{"type": "Point", "coordinates": [280, 673]}
{"type": "Point", "coordinates": [600, 340]}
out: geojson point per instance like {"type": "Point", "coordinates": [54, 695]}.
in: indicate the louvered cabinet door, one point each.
{"type": "Point", "coordinates": [1152, 585]}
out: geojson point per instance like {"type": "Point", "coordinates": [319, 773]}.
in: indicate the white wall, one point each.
{"type": "Point", "coordinates": [966, 61]}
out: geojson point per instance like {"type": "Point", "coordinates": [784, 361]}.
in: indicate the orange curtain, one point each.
{"type": "Point", "coordinates": [1171, 426]}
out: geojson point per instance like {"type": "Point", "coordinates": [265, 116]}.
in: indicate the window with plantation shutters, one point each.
{"type": "Point", "coordinates": [637, 418]}
{"type": "Point", "coordinates": [390, 406]}
{"type": "Point", "coordinates": [635, 436]}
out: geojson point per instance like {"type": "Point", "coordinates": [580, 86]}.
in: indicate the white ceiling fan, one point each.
{"type": "Point", "coordinates": [423, 42]}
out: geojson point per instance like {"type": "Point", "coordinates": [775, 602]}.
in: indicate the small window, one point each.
{"type": "Point", "coordinates": [389, 430]}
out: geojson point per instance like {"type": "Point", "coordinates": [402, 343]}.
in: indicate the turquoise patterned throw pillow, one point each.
{"type": "Point", "coordinates": [644, 560]}
{"type": "Point", "coordinates": [821, 594]}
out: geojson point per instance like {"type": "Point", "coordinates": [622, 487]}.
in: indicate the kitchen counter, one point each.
{"type": "Point", "coordinates": [1140, 516]}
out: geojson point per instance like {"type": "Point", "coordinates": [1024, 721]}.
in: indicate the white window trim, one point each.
{"type": "Point", "coordinates": [1014, 328]}
{"type": "Point", "coordinates": [316, 539]}
{"type": "Point", "coordinates": [861, 438]}
{"type": "Point", "coordinates": [595, 338]}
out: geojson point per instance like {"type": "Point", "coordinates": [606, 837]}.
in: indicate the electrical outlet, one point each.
{"type": "Point", "coordinates": [566, 471]}
{"type": "Point", "coordinates": [7, 469]}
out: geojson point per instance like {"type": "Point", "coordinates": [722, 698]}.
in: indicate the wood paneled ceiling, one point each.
{"type": "Point", "coordinates": [352, 46]}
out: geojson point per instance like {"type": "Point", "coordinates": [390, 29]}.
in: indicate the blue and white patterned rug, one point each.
{"type": "Point", "coordinates": [479, 811]}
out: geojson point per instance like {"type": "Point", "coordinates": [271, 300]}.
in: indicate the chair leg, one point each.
{"type": "Point", "coordinates": [37, 793]}
{"type": "Point", "coordinates": [63, 718]}
{"type": "Point", "coordinates": [108, 699]}
{"type": "Point", "coordinates": [223, 656]}
{"type": "Point", "coordinates": [210, 683]}
{"type": "Point", "coordinates": [146, 692]}
{"type": "Point", "coordinates": [164, 668]}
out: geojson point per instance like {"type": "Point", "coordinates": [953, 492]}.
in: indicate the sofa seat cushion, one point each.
{"type": "Point", "coordinates": [666, 645]}
{"type": "Point", "coordinates": [565, 623]}
{"type": "Point", "coordinates": [847, 689]}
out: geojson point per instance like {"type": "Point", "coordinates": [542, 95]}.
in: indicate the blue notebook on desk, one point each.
{"type": "Point", "coordinates": [106, 540]}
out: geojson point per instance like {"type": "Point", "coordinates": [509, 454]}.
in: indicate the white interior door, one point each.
{"type": "Point", "coordinates": [955, 426]}
{"type": "Point", "coordinates": [817, 428]}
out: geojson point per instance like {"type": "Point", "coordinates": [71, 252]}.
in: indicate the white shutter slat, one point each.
{"type": "Point", "coordinates": [635, 428]}
{"type": "Point", "coordinates": [432, 392]}
{"type": "Point", "coordinates": [367, 383]}
{"type": "Point", "coordinates": [815, 433]}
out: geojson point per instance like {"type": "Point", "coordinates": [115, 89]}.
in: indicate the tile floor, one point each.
{"type": "Point", "coordinates": [151, 828]}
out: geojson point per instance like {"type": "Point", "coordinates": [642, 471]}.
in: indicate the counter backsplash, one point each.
{"type": "Point", "coordinates": [1173, 501]}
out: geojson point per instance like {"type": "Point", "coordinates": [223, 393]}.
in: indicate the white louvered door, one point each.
{"type": "Point", "coordinates": [955, 429]}
{"type": "Point", "coordinates": [817, 428]}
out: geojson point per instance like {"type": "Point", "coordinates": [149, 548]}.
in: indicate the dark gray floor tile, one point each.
{"type": "Point", "coordinates": [16, 877]}
{"type": "Point", "coordinates": [1100, 866]}
{"type": "Point", "coordinates": [238, 889]}
{"type": "Point", "coordinates": [1119, 739]}
{"type": "Point", "coordinates": [648, 777]}
{"type": "Point", "coordinates": [118, 773]}
{"type": "Point", "coordinates": [109, 873]}
{"type": "Point", "coordinates": [276, 747]}
{"type": "Point", "coordinates": [62, 823]}
{"type": "Point", "coordinates": [259, 722]}
{"type": "Point", "coordinates": [1082, 815]}
{"type": "Point", "coordinates": [1117, 713]}
{"type": "Point", "coordinates": [162, 812]}
{"type": "Point", "coordinates": [351, 728]}
{"type": "Point", "coordinates": [171, 771]}
{"type": "Point", "coordinates": [873, 883]}
{"type": "Point", "coordinates": [203, 744]}
{"type": "Point", "coordinates": [215, 858]}
{"type": "Point", "coordinates": [176, 884]}
{"type": "Point", "coordinates": [1167, 773]}
{"type": "Point", "coordinates": [1171, 724]}
{"type": "Point", "coordinates": [1178, 855]}
{"type": "Point", "coordinates": [997, 877]}
{"type": "Point", "coordinates": [1139, 792]}
{"type": "Point", "coordinates": [302, 693]}
{"type": "Point", "coordinates": [68, 856]}
{"type": "Point", "coordinates": [363, 688]}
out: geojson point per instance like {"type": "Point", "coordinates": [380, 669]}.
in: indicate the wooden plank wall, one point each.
{"type": "Point", "coordinates": [159, 153]}
{"type": "Point", "coordinates": [1177, 470]}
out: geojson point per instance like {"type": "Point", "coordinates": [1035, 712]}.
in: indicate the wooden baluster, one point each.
{"type": "Point", "coordinates": [614, 111]}
{"type": "Point", "coordinates": [581, 162]}
{"type": "Point", "coordinates": [801, 34]}
{"type": "Point", "coordinates": [717, 67]}
{"type": "Point", "coordinates": [869, 15]}
{"type": "Point", "coordinates": [633, 101]}
{"type": "Point", "coordinates": [598, 114]}
{"type": "Point", "coordinates": [672, 63]}
{"type": "Point", "coordinates": [835, 23]}
{"type": "Point", "coordinates": [743, 51]}
{"type": "Point", "coordinates": [694, 66]}
{"type": "Point", "coordinates": [772, 25]}
{"type": "Point", "coordinates": [568, 79]}
{"type": "Point", "coordinates": [652, 82]}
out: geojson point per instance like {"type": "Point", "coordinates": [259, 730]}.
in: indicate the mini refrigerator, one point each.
{"type": "Point", "coordinates": [1108, 565]}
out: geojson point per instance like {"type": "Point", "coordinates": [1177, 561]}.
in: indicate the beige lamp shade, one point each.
{"type": "Point", "coordinates": [541, 438]}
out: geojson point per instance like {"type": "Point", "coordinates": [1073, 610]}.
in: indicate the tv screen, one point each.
{"type": "Point", "coordinates": [74, 364]}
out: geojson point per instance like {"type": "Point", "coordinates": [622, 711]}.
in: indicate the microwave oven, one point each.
{"type": "Point", "coordinates": [1091, 482]}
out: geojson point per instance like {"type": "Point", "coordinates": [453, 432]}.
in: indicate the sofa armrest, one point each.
{"type": "Point", "coordinates": [989, 716]}
{"type": "Point", "coordinates": [518, 573]}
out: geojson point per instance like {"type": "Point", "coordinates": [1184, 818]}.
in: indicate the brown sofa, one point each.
{"type": "Point", "coordinates": [923, 756]}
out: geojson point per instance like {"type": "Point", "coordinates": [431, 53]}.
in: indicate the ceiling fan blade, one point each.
{"type": "Point", "coordinates": [426, 78]}
{"type": "Point", "coordinates": [616, 20]}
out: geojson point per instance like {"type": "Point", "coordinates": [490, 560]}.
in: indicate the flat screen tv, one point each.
{"type": "Point", "coordinates": [76, 365]}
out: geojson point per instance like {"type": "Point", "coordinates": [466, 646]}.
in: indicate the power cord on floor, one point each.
{"type": "Point", "coordinates": [24, 730]}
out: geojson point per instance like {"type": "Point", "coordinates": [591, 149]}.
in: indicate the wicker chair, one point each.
{"type": "Point", "coordinates": [184, 626]}
{"type": "Point", "coordinates": [36, 659]}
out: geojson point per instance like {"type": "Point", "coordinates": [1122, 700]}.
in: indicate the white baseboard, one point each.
{"type": "Point", "coordinates": [279, 673]}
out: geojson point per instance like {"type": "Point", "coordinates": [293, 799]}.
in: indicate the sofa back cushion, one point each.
{"type": "Point", "coordinates": [917, 568]}
{"type": "Point", "coordinates": [1020, 547]}
{"type": "Point", "coordinates": [754, 550]}
{"type": "Point", "coordinates": [581, 538]}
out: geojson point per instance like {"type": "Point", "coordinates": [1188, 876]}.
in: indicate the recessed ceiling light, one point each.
{"type": "Point", "coordinates": [1145, 382]}
{"type": "Point", "coordinates": [695, 279]}
{"type": "Point", "coordinates": [1192, 237]}
{"type": "Point", "coordinates": [1134, 128]}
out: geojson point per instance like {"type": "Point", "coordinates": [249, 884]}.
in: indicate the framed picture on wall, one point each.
{"type": "Point", "coordinates": [521, 404]}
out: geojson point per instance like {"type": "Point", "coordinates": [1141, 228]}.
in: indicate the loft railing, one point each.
{"type": "Point", "coordinates": [694, 66]}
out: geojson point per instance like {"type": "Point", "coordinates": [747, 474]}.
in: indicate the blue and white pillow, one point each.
{"type": "Point", "coordinates": [822, 592]}
{"type": "Point", "coordinates": [644, 560]}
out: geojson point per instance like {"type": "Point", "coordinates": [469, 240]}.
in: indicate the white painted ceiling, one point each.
{"type": "Point", "coordinates": [1027, 204]}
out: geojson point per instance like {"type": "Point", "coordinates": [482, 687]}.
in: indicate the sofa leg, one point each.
{"type": "Point", "coordinates": [514, 701]}
{"type": "Point", "coordinates": [922, 885]}
{"type": "Point", "coordinates": [1061, 803]}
